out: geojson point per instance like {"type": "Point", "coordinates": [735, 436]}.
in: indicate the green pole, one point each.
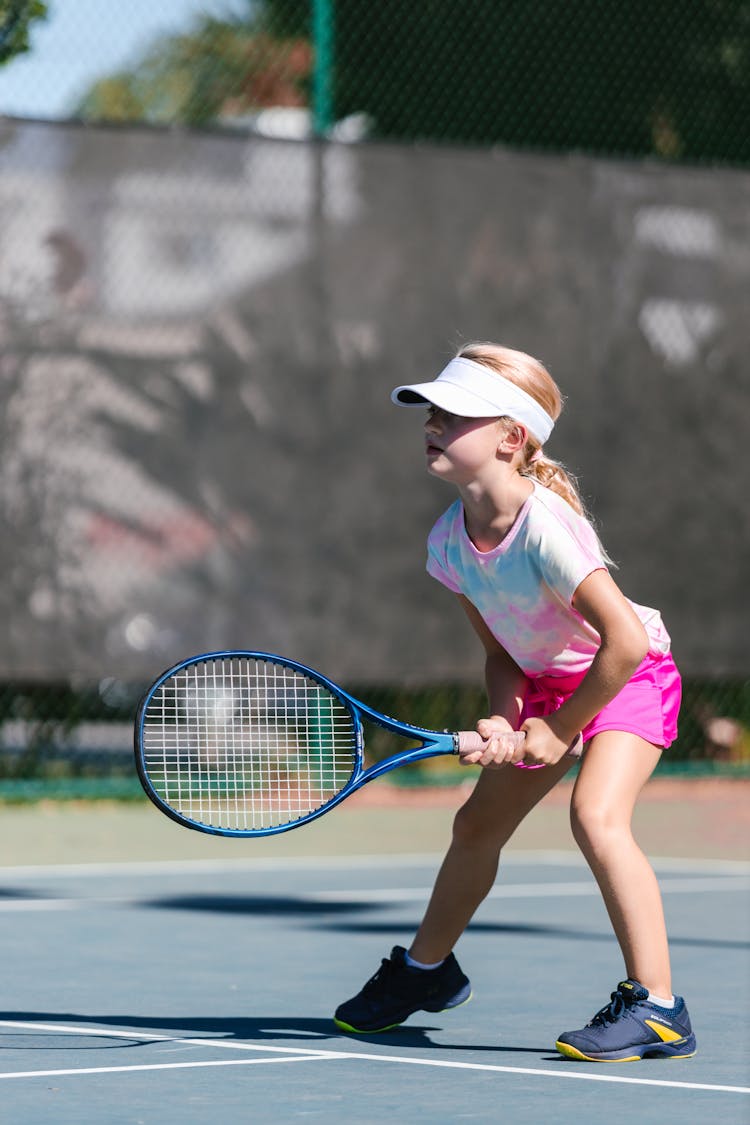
{"type": "Point", "coordinates": [323, 31]}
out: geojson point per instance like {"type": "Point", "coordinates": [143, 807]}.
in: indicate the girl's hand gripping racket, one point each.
{"type": "Point", "coordinates": [249, 744]}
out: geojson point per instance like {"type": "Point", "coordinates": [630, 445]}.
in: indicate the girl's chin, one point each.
{"type": "Point", "coordinates": [438, 467]}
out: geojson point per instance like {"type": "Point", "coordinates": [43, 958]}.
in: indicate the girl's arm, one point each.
{"type": "Point", "coordinates": [506, 687]}
{"type": "Point", "coordinates": [624, 644]}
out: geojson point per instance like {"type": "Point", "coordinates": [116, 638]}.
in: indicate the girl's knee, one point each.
{"type": "Point", "coordinates": [466, 826]}
{"type": "Point", "coordinates": [473, 828]}
{"type": "Point", "coordinates": [595, 825]}
{"type": "Point", "coordinates": [603, 833]}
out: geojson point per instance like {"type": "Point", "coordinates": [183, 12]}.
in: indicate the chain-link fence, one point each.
{"type": "Point", "coordinates": [201, 326]}
{"type": "Point", "coordinates": [651, 78]}
{"type": "Point", "coordinates": [66, 741]}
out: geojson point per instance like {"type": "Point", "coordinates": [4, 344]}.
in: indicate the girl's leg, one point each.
{"type": "Point", "coordinates": [483, 825]}
{"type": "Point", "coordinates": [615, 768]}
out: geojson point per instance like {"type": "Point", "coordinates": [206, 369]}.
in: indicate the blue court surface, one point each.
{"type": "Point", "coordinates": [202, 991]}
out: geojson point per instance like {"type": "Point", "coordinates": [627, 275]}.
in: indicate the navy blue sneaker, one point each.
{"type": "Point", "coordinates": [630, 1028]}
{"type": "Point", "coordinates": [396, 991]}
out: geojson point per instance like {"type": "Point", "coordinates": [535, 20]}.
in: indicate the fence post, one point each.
{"type": "Point", "coordinates": [323, 29]}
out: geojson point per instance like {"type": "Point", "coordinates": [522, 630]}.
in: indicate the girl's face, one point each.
{"type": "Point", "coordinates": [460, 449]}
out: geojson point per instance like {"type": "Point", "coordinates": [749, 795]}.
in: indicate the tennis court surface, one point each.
{"type": "Point", "coordinates": [197, 982]}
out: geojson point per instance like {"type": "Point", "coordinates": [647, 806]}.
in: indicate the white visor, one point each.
{"type": "Point", "coordinates": [471, 390]}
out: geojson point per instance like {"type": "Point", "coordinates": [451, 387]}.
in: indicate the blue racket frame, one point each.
{"type": "Point", "coordinates": [432, 743]}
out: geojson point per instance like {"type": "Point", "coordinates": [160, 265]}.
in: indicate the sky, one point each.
{"type": "Point", "coordinates": [82, 40]}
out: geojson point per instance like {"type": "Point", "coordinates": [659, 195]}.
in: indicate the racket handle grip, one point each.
{"type": "Point", "coordinates": [469, 740]}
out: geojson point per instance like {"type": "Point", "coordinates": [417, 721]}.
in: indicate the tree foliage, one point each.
{"type": "Point", "coordinates": [221, 69]}
{"type": "Point", "coordinates": [16, 17]}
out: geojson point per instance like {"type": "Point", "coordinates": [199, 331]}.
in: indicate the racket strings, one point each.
{"type": "Point", "coordinates": [246, 744]}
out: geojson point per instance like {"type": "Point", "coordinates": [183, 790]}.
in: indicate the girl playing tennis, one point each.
{"type": "Point", "coordinates": [566, 652]}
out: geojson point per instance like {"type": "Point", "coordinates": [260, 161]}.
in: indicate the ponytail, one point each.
{"type": "Point", "coordinates": [554, 476]}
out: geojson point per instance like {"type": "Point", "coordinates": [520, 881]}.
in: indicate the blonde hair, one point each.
{"type": "Point", "coordinates": [534, 378]}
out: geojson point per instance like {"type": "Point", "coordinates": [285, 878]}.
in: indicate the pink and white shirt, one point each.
{"type": "Point", "coordinates": [524, 587]}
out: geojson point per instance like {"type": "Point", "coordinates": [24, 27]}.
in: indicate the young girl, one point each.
{"type": "Point", "coordinates": [566, 652]}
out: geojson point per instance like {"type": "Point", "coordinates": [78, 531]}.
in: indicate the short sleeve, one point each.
{"type": "Point", "coordinates": [568, 551]}
{"type": "Point", "coordinates": [438, 565]}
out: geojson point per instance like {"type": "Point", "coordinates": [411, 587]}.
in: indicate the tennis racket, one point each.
{"type": "Point", "coordinates": [250, 744]}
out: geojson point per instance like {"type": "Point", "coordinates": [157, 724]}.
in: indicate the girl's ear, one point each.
{"type": "Point", "coordinates": [512, 438]}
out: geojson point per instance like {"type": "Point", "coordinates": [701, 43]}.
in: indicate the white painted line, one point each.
{"type": "Point", "coordinates": [337, 863]}
{"type": "Point", "coordinates": [161, 1066]}
{"type": "Point", "coordinates": [527, 890]}
{"type": "Point", "coordinates": [586, 1076]}
{"type": "Point", "coordinates": [343, 895]}
{"type": "Point", "coordinates": [153, 1037]}
{"type": "Point", "coordinates": [719, 866]}
{"type": "Point", "coordinates": [37, 904]}
{"type": "Point", "coordinates": [213, 867]}
{"type": "Point", "coordinates": [567, 1069]}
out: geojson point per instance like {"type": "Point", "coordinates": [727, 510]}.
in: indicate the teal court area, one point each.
{"type": "Point", "coordinates": [179, 989]}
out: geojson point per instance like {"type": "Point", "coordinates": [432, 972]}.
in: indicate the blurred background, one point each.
{"type": "Point", "coordinates": [229, 227]}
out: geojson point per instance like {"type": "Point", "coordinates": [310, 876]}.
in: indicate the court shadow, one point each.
{"type": "Point", "coordinates": [559, 933]}
{"type": "Point", "coordinates": [244, 1027]}
{"type": "Point", "coordinates": [289, 905]}
{"type": "Point", "coordinates": [277, 905]}
{"type": "Point", "coordinates": [20, 1040]}
{"type": "Point", "coordinates": [413, 1035]}
{"type": "Point", "coordinates": [273, 1029]}
{"type": "Point", "coordinates": [21, 893]}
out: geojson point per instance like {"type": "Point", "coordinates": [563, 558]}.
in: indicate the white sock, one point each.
{"type": "Point", "coordinates": [419, 964]}
{"type": "Point", "coordinates": [659, 1002]}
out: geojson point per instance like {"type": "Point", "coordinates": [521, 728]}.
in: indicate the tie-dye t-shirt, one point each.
{"type": "Point", "coordinates": [524, 587]}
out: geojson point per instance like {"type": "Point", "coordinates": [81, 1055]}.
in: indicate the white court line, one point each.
{"type": "Point", "coordinates": [38, 904]}
{"type": "Point", "coordinates": [403, 894]}
{"type": "Point", "coordinates": [218, 867]}
{"type": "Point", "coordinates": [527, 890]}
{"type": "Point", "coordinates": [339, 863]}
{"type": "Point", "coordinates": [301, 1053]}
{"type": "Point", "coordinates": [162, 1066]}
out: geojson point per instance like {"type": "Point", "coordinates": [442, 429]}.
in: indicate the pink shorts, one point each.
{"type": "Point", "coordinates": [648, 705]}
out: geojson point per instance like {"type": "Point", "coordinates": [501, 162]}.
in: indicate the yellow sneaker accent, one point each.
{"type": "Point", "coordinates": [666, 1034]}
{"type": "Point", "coordinates": [359, 1031]}
{"type": "Point", "coordinates": [459, 1005]}
{"type": "Point", "coordinates": [574, 1053]}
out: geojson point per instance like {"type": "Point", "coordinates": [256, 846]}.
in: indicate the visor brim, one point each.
{"type": "Point", "coordinates": [446, 396]}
